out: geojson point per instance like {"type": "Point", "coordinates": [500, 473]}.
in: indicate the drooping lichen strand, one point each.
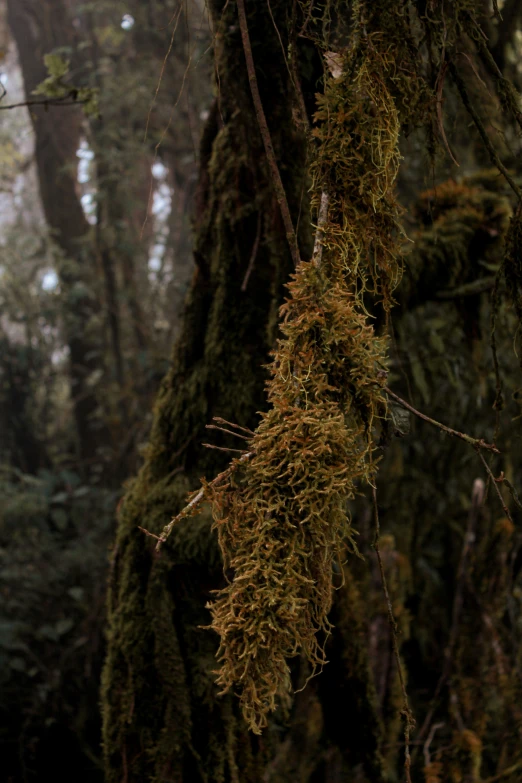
{"type": "Point", "coordinates": [282, 518]}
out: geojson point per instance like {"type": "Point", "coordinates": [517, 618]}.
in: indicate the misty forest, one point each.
{"type": "Point", "coordinates": [260, 391]}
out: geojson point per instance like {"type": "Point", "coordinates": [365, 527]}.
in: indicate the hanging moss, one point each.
{"type": "Point", "coordinates": [281, 518]}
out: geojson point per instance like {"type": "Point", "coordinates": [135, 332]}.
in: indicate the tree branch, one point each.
{"type": "Point", "coordinates": [477, 443]}
{"type": "Point", "coordinates": [265, 134]}
{"type": "Point", "coordinates": [47, 102]}
{"type": "Point", "coordinates": [196, 500]}
{"type": "Point", "coordinates": [461, 87]}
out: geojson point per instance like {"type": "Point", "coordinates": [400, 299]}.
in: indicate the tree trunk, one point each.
{"type": "Point", "coordinates": [163, 717]}
{"type": "Point", "coordinates": [38, 27]}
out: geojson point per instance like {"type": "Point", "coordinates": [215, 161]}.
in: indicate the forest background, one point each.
{"type": "Point", "coordinates": [144, 259]}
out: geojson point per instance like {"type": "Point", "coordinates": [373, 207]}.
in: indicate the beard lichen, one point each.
{"type": "Point", "coordinates": [281, 517]}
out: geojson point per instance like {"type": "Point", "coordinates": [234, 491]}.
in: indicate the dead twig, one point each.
{"type": "Point", "coordinates": [196, 500]}
{"type": "Point", "coordinates": [66, 101]}
{"type": "Point", "coordinates": [222, 448]}
{"type": "Point", "coordinates": [228, 432]}
{"type": "Point", "coordinates": [253, 254]}
{"type": "Point", "coordinates": [514, 494]}
{"type": "Point", "coordinates": [409, 720]}
{"type": "Point", "coordinates": [478, 443]}
{"type": "Point", "coordinates": [504, 773]}
{"type": "Point", "coordinates": [495, 484]}
{"type": "Point", "coordinates": [426, 747]}
{"type": "Point", "coordinates": [277, 182]}
{"type": "Point", "coordinates": [233, 424]}
{"type": "Point", "coordinates": [461, 87]}
{"type": "Point", "coordinates": [439, 87]}
{"type": "Point", "coordinates": [477, 500]}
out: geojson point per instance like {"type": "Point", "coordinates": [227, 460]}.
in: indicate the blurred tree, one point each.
{"type": "Point", "coordinates": [86, 272]}
{"type": "Point", "coordinates": [57, 139]}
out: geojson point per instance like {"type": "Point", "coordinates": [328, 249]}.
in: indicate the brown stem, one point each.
{"type": "Point", "coordinates": [477, 443]}
{"type": "Point", "coordinates": [167, 530]}
{"type": "Point", "coordinates": [277, 182]}
{"type": "Point", "coordinates": [409, 720]}
{"type": "Point", "coordinates": [461, 87]}
{"type": "Point", "coordinates": [477, 500]}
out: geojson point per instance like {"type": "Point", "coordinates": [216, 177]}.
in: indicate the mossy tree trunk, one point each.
{"type": "Point", "coordinates": [453, 603]}
{"type": "Point", "coordinates": [163, 717]}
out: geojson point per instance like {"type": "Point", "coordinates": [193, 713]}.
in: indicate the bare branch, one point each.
{"type": "Point", "coordinates": [478, 443]}
{"type": "Point", "coordinates": [196, 500]}
{"type": "Point", "coordinates": [409, 720]}
{"type": "Point", "coordinates": [265, 134]}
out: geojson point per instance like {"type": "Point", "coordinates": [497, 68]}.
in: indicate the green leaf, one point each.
{"type": "Point", "coordinates": [77, 593]}
{"type": "Point", "coordinates": [60, 518]}
{"type": "Point", "coordinates": [64, 626]}
{"type": "Point", "coordinates": [56, 65]}
{"type": "Point", "coordinates": [18, 664]}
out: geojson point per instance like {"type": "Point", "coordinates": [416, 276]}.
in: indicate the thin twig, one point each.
{"type": "Point", "coordinates": [477, 500]}
{"type": "Point", "coordinates": [439, 87]}
{"type": "Point", "coordinates": [475, 442]}
{"type": "Point", "coordinates": [229, 432]}
{"type": "Point", "coordinates": [504, 773]}
{"type": "Point", "coordinates": [495, 303]}
{"type": "Point", "coordinates": [277, 182]}
{"type": "Point", "coordinates": [409, 720]}
{"type": "Point", "coordinates": [514, 494]}
{"type": "Point", "coordinates": [461, 87]}
{"type": "Point", "coordinates": [294, 75]}
{"type": "Point", "coordinates": [479, 286]}
{"type": "Point", "coordinates": [232, 424]}
{"type": "Point", "coordinates": [47, 102]}
{"type": "Point", "coordinates": [222, 448]}
{"type": "Point", "coordinates": [495, 484]}
{"type": "Point", "coordinates": [167, 530]}
{"type": "Point", "coordinates": [253, 254]}
{"type": "Point", "coordinates": [148, 533]}
{"type": "Point", "coordinates": [426, 748]}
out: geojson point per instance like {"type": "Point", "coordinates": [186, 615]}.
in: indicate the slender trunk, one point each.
{"type": "Point", "coordinates": [38, 27]}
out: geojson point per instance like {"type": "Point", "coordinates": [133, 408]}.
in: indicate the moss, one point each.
{"type": "Point", "coordinates": [281, 518]}
{"type": "Point", "coordinates": [457, 221]}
